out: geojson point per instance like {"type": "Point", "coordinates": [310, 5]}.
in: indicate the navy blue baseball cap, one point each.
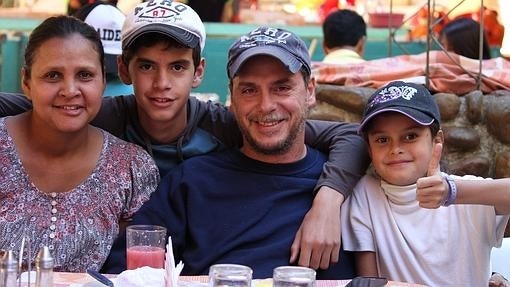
{"type": "Point", "coordinates": [409, 99]}
{"type": "Point", "coordinates": [279, 43]}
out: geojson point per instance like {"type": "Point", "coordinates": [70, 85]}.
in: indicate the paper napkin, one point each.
{"type": "Point", "coordinates": [172, 272]}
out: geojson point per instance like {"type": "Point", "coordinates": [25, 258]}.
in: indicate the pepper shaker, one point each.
{"type": "Point", "coordinates": [8, 269]}
{"type": "Point", "coordinates": [44, 268]}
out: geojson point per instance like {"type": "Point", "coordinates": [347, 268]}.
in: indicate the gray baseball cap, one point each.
{"type": "Point", "coordinates": [279, 43]}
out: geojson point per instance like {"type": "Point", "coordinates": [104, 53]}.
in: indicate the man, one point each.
{"type": "Point", "coordinates": [252, 199]}
{"type": "Point", "coordinates": [345, 34]}
{"type": "Point", "coordinates": [162, 43]}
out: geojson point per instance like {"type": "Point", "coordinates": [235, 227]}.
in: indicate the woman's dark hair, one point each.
{"type": "Point", "coordinates": [61, 27]}
{"type": "Point", "coordinates": [463, 38]}
{"type": "Point", "coordinates": [152, 39]}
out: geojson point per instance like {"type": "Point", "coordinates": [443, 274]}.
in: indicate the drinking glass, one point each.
{"type": "Point", "coordinates": [293, 276]}
{"type": "Point", "coordinates": [230, 275]}
{"type": "Point", "coordinates": [145, 246]}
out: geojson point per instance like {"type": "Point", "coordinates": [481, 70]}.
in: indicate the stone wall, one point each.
{"type": "Point", "coordinates": [476, 126]}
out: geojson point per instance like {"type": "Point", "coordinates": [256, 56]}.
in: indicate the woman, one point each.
{"type": "Point", "coordinates": [462, 36]}
{"type": "Point", "coordinates": [63, 183]}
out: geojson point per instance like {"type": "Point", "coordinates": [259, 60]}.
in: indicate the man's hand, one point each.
{"type": "Point", "coordinates": [432, 190]}
{"type": "Point", "coordinates": [317, 242]}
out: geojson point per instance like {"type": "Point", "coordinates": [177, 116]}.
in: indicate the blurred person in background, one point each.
{"type": "Point", "coordinates": [215, 10]}
{"type": "Point", "coordinates": [504, 11]}
{"type": "Point", "coordinates": [107, 19]}
{"type": "Point", "coordinates": [329, 6]}
{"type": "Point", "coordinates": [345, 34]}
{"type": "Point", "coordinates": [462, 36]}
{"type": "Point", "coordinates": [74, 5]}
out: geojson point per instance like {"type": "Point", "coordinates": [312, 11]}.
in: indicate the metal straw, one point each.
{"type": "Point", "coordinates": [20, 262]}
{"type": "Point", "coordinates": [25, 240]}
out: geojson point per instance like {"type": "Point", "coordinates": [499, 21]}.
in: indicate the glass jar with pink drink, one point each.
{"type": "Point", "coordinates": [145, 246]}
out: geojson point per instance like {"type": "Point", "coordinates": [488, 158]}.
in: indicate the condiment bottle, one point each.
{"type": "Point", "coordinates": [44, 268]}
{"type": "Point", "coordinates": [8, 269]}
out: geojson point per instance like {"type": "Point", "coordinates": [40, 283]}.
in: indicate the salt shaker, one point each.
{"type": "Point", "coordinates": [8, 269]}
{"type": "Point", "coordinates": [44, 268]}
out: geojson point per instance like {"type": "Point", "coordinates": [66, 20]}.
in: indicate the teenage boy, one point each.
{"type": "Point", "coordinates": [406, 220]}
{"type": "Point", "coordinates": [162, 43]}
{"type": "Point", "coordinates": [252, 199]}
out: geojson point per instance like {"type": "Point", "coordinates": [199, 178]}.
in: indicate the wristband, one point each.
{"type": "Point", "coordinates": [452, 191]}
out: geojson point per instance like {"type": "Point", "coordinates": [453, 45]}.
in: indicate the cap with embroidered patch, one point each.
{"type": "Point", "coordinates": [409, 99]}
{"type": "Point", "coordinates": [279, 43]}
{"type": "Point", "coordinates": [107, 20]}
{"type": "Point", "coordinates": [169, 18]}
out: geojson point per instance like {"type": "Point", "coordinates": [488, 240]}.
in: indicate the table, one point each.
{"type": "Point", "coordinates": [63, 279]}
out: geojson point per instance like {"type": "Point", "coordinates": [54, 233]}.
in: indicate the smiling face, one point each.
{"type": "Point", "coordinates": [65, 83]}
{"type": "Point", "coordinates": [162, 76]}
{"type": "Point", "coordinates": [270, 105]}
{"type": "Point", "coordinates": [400, 148]}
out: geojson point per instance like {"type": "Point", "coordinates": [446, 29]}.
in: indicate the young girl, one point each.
{"type": "Point", "coordinates": [406, 220]}
{"type": "Point", "coordinates": [63, 183]}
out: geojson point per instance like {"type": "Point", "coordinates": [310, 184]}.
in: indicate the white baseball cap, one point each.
{"type": "Point", "coordinates": [170, 18]}
{"type": "Point", "coordinates": [107, 20]}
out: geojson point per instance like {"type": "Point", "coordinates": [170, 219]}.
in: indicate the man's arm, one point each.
{"type": "Point", "coordinates": [318, 239]}
{"type": "Point", "coordinates": [317, 242]}
{"type": "Point", "coordinates": [12, 104]}
{"type": "Point", "coordinates": [366, 263]}
{"type": "Point", "coordinates": [348, 156]}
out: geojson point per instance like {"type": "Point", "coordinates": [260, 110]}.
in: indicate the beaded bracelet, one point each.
{"type": "Point", "coordinates": [452, 191]}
